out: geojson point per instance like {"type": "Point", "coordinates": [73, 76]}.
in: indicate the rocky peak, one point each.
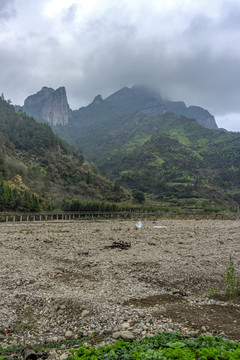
{"type": "Point", "coordinates": [124, 93]}
{"type": "Point", "coordinates": [97, 100]}
{"type": "Point", "coordinates": [39, 98]}
{"type": "Point", "coordinates": [49, 105]}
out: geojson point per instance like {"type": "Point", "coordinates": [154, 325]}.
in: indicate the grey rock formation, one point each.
{"type": "Point", "coordinates": [195, 112]}
{"type": "Point", "coordinates": [149, 101]}
{"type": "Point", "coordinates": [49, 105]}
{"type": "Point", "coordinates": [97, 100]}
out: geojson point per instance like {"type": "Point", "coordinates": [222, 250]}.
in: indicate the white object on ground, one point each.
{"type": "Point", "coordinates": [159, 227]}
{"type": "Point", "coordinates": [139, 224]}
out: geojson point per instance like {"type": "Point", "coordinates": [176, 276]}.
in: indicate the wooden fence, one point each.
{"type": "Point", "coordinates": [20, 217]}
{"type": "Point", "coordinates": [51, 216]}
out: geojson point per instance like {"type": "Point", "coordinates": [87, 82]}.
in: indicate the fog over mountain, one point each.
{"type": "Point", "coordinates": [187, 50]}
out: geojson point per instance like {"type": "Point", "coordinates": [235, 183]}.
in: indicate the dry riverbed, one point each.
{"type": "Point", "coordinates": [63, 280]}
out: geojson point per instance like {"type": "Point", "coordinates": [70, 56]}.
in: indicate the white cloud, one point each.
{"type": "Point", "coordinates": [188, 49]}
{"type": "Point", "coordinates": [229, 121]}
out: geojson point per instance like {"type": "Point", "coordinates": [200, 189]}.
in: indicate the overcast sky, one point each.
{"type": "Point", "coordinates": [189, 50]}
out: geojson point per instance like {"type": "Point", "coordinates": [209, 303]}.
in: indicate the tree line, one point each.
{"type": "Point", "coordinates": [14, 200]}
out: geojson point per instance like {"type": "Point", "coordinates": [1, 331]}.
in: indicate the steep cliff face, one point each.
{"type": "Point", "coordinates": [49, 105]}
{"type": "Point", "coordinates": [56, 110]}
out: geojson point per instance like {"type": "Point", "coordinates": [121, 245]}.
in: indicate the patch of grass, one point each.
{"type": "Point", "coordinates": [28, 319]}
{"type": "Point", "coordinates": [230, 280]}
{"type": "Point", "coordinates": [162, 347]}
{"type": "Point", "coordinates": [229, 288]}
{"type": "Point", "coordinates": [212, 292]}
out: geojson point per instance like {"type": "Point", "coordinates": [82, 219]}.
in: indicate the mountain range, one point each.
{"type": "Point", "coordinates": [174, 154]}
{"type": "Point", "coordinates": [51, 106]}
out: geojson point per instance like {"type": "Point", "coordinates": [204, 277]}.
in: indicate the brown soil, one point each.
{"type": "Point", "coordinates": [216, 319]}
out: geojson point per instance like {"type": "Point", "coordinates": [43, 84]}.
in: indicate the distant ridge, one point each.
{"type": "Point", "coordinates": [150, 102]}
{"type": "Point", "coordinates": [51, 106]}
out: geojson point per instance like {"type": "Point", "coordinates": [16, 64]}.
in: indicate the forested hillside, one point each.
{"type": "Point", "coordinates": [167, 160]}
{"type": "Point", "coordinates": [39, 170]}
{"type": "Point", "coordinates": [177, 162]}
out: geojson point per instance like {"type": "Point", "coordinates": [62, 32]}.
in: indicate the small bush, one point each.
{"type": "Point", "coordinates": [230, 280]}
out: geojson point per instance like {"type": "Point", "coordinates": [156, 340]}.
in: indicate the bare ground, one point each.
{"type": "Point", "coordinates": [50, 272]}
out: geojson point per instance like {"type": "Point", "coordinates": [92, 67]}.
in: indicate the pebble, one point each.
{"type": "Point", "coordinates": [64, 356]}
{"type": "Point", "coordinates": [68, 334]}
{"type": "Point", "coordinates": [125, 335]}
{"type": "Point", "coordinates": [125, 325]}
{"type": "Point", "coordinates": [85, 313]}
{"type": "Point", "coordinates": [174, 291]}
{"type": "Point", "coordinates": [83, 252]}
{"type": "Point", "coordinates": [52, 354]}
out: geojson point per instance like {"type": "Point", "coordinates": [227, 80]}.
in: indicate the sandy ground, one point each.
{"type": "Point", "coordinates": [51, 272]}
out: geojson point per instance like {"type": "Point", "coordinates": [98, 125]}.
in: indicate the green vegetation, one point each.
{"type": "Point", "coordinates": [139, 196]}
{"type": "Point", "coordinates": [197, 174]}
{"type": "Point", "coordinates": [28, 319]}
{"type": "Point", "coordinates": [229, 288]}
{"type": "Point", "coordinates": [38, 170]}
{"type": "Point", "coordinates": [11, 198]}
{"type": "Point", "coordinates": [171, 159]}
{"type": "Point", "coordinates": [175, 162]}
{"type": "Point", "coordinates": [231, 283]}
{"type": "Point", "coordinates": [163, 346]}
{"type": "Point", "coordinates": [103, 206]}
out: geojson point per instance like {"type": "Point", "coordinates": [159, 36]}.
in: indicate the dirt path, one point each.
{"type": "Point", "coordinates": [65, 276]}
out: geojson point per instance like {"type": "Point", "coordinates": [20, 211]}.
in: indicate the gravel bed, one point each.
{"type": "Point", "coordinates": [66, 279]}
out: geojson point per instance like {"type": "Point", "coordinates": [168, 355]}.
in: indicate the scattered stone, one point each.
{"type": "Point", "coordinates": [125, 335]}
{"type": "Point", "coordinates": [87, 295]}
{"type": "Point", "coordinates": [50, 339]}
{"type": "Point", "coordinates": [52, 354]}
{"type": "Point", "coordinates": [83, 252]}
{"type": "Point", "coordinates": [85, 313]}
{"type": "Point", "coordinates": [64, 356]}
{"type": "Point", "coordinates": [125, 325]}
{"type": "Point", "coordinates": [68, 334]}
{"type": "Point", "coordinates": [175, 291]}
{"type": "Point", "coordinates": [47, 240]}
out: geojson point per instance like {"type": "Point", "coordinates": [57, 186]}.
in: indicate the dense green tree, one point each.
{"type": "Point", "coordinates": [139, 196]}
